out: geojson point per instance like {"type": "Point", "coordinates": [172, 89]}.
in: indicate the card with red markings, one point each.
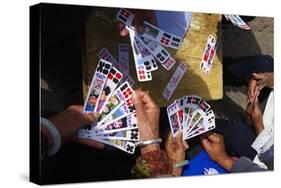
{"type": "Point", "coordinates": [125, 16]}
{"type": "Point", "coordinates": [106, 55]}
{"type": "Point", "coordinates": [113, 79]}
{"type": "Point", "coordinates": [174, 81]}
{"type": "Point", "coordinates": [209, 54]}
{"type": "Point", "coordinates": [237, 21]}
{"type": "Point", "coordinates": [142, 74]}
{"type": "Point", "coordinates": [115, 108]}
{"type": "Point", "coordinates": [193, 114]}
{"type": "Point", "coordinates": [97, 84]}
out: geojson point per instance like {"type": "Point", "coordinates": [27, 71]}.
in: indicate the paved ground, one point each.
{"type": "Point", "coordinates": [238, 43]}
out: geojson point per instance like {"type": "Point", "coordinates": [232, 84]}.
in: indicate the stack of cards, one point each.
{"type": "Point", "coordinates": [191, 116]}
{"type": "Point", "coordinates": [117, 124]}
{"type": "Point", "coordinates": [209, 54]}
{"type": "Point", "coordinates": [148, 47]}
{"type": "Point", "coordinates": [237, 21]}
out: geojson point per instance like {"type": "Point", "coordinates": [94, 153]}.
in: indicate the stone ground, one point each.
{"type": "Point", "coordinates": [238, 43]}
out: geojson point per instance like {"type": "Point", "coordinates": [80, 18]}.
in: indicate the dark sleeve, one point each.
{"type": "Point", "coordinates": [152, 164]}
{"type": "Point", "coordinates": [244, 164]}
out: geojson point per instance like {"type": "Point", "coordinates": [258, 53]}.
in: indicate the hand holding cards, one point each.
{"type": "Point", "coordinates": [117, 124]}
{"type": "Point", "coordinates": [190, 115]}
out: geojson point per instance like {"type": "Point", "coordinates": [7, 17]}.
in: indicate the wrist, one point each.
{"type": "Point", "coordinates": [149, 148]}
{"type": "Point", "coordinates": [259, 127]}
{"type": "Point", "coordinates": [226, 162]}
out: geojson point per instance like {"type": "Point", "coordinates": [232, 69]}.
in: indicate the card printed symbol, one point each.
{"type": "Point", "coordinates": [134, 125]}
{"type": "Point", "coordinates": [142, 74]}
{"type": "Point", "coordinates": [164, 41]}
{"type": "Point", "coordinates": [125, 13]}
{"type": "Point", "coordinates": [130, 148]}
{"type": "Point", "coordinates": [134, 135]}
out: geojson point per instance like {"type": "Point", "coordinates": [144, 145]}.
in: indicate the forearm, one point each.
{"type": "Point", "coordinates": [153, 163]}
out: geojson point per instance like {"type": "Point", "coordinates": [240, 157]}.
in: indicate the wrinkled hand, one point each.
{"type": "Point", "coordinates": [176, 147]}
{"type": "Point", "coordinates": [71, 120]}
{"type": "Point", "coordinates": [214, 145]}
{"type": "Point", "coordinates": [255, 115]}
{"type": "Point", "coordinates": [147, 119]}
{"type": "Point", "coordinates": [140, 17]}
{"type": "Point", "coordinates": [257, 83]}
{"type": "Point", "coordinates": [147, 115]}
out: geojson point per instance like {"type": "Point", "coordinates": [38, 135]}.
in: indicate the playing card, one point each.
{"type": "Point", "coordinates": [106, 55]}
{"type": "Point", "coordinates": [209, 54]}
{"type": "Point", "coordinates": [125, 16]}
{"type": "Point", "coordinates": [169, 63]}
{"type": "Point", "coordinates": [172, 111]}
{"type": "Point", "coordinates": [97, 84]}
{"type": "Point", "coordinates": [237, 21]}
{"type": "Point", "coordinates": [147, 58]}
{"type": "Point", "coordinates": [113, 79]}
{"type": "Point", "coordinates": [119, 124]}
{"type": "Point", "coordinates": [124, 145]}
{"type": "Point", "coordinates": [160, 53]}
{"type": "Point", "coordinates": [180, 102]}
{"type": "Point", "coordinates": [118, 104]}
{"type": "Point", "coordinates": [158, 35]}
{"type": "Point", "coordinates": [174, 81]}
{"type": "Point", "coordinates": [142, 74]}
{"type": "Point", "coordinates": [123, 54]}
{"type": "Point", "coordinates": [205, 124]}
{"type": "Point", "coordinates": [191, 103]}
{"type": "Point", "coordinates": [132, 135]}
{"type": "Point", "coordinates": [196, 116]}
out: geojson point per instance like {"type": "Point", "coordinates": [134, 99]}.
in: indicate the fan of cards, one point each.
{"type": "Point", "coordinates": [148, 47]}
{"type": "Point", "coordinates": [191, 116]}
{"type": "Point", "coordinates": [237, 21]}
{"type": "Point", "coordinates": [117, 124]}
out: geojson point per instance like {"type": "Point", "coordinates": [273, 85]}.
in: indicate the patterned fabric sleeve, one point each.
{"type": "Point", "coordinates": [152, 164]}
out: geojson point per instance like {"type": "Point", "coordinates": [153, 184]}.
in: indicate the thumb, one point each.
{"type": "Point", "coordinates": [257, 76]}
{"type": "Point", "coordinates": [89, 118]}
{"type": "Point", "coordinates": [138, 103]}
{"type": "Point", "coordinates": [206, 144]}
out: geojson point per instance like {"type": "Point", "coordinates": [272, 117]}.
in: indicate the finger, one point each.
{"type": "Point", "coordinates": [138, 103]}
{"type": "Point", "coordinates": [179, 140]}
{"type": "Point", "coordinates": [91, 143]}
{"type": "Point", "coordinates": [148, 101]}
{"type": "Point", "coordinates": [214, 137]}
{"type": "Point", "coordinates": [123, 32]}
{"type": "Point", "coordinates": [257, 76]}
{"type": "Point", "coordinates": [252, 87]}
{"type": "Point", "coordinates": [170, 139]}
{"type": "Point", "coordinates": [89, 118]}
{"type": "Point", "coordinates": [185, 145]}
{"type": "Point", "coordinates": [206, 144]}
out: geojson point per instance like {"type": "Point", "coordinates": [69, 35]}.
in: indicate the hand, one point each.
{"type": "Point", "coordinates": [255, 115]}
{"type": "Point", "coordinates": [70, 121]}
{"type": "Point", "coordinates": [176, 147]}
{"type": "Point", "coordinates": [214, 145]}
{"type": "Point", "coordinates": [147, 117]}
{"type": "Point", "coordinates": [175, 150]}
{"type": "Point", "coordinates": [140, 17]}
{"type": "Point", "coordinates": [257, 82]}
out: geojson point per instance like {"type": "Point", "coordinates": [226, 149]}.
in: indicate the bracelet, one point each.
{"type": "Point", "coordinates": [54, 133]}
{"type": "Point", "coordinates": [149, 142]}
{"type": "Point", "coordinates": [180, 164]}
